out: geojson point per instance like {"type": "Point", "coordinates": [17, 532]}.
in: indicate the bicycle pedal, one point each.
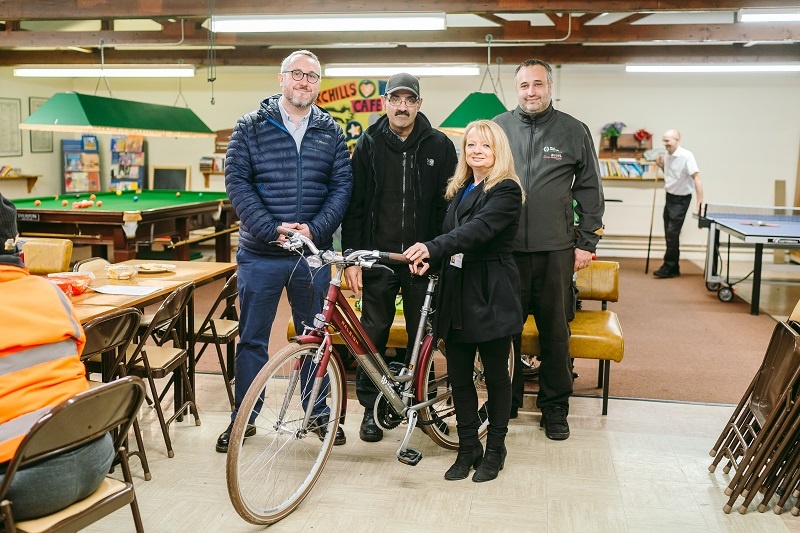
{"type": "Point", "coordinates": [410, 456]}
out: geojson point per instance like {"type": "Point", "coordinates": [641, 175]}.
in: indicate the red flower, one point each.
{"type": "Point", "coordinates": [642, 135]}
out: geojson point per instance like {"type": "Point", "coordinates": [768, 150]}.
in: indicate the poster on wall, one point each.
{"type": "Point", "coordinates": [10, 134]}
{"type": "Point", "coordinates": [354, 104]}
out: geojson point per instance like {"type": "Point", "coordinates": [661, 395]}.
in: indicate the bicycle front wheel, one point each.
{"type": "Point", "coordinates": [442, 430]}
{"type": "Point", "coordinates": [273, 460]}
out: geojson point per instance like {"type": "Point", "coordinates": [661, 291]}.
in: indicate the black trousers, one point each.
{"type": "Point", "coordinates": [460, 365]}
{"type": "Point", "coordinates": [675, 210]}
{"type": "Point", "coordinates": [377, 313]}
{"type": "Point", "coordinates": [546, 279]}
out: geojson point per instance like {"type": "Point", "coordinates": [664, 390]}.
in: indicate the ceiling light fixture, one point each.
{"type": "Point", "coordinates": [713, 68]}
{"type": "Point", "coordinates": [75, 112]}
{"type": "Point", "coordinates": [127, 71]}
{"type": "Point", "coordinates": [382, 71]}
{"type": "Point", "coordinates": [769, 15]}
{"type": "Point", "coordinates": [337, 22]}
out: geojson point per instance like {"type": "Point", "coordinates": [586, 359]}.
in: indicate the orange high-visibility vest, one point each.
{"type": "Point", "coordinates": [41, 340]}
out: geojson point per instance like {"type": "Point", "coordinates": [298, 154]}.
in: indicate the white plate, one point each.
{"type": "Point", "coordinates": [155, 268]}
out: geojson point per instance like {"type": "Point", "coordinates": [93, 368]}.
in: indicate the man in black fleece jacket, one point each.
{"type": "Point", "coordinates": [400, 170]}
{"type": "Point", "coordinates": [555, 159]}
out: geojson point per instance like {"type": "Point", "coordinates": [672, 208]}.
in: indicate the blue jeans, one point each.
{"type": "Point", "coordinates": [261, 282]}
{"type": "Point", "coordinates": [45, 487]}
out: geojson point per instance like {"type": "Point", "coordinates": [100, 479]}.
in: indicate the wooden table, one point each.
{"type": "Point", "coordinates": [91, 304]}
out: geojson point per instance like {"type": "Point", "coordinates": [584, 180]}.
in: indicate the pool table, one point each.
{"type": "Point", "coordinates": [130, 219]}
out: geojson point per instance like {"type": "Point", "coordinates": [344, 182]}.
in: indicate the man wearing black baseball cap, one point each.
{"type": "Point", "coordinates": [401, 165]}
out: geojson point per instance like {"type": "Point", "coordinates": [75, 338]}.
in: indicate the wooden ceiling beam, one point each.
{"type": "Point", "coordinates": [96, 9]}
{"type": "Point", "coordinates": [554, 53]}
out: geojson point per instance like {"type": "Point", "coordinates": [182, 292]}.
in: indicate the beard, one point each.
{"type": "Point", "coordinates": [300, 101]}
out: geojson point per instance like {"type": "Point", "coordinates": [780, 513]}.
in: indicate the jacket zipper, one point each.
{"type": "Point", "coordinates": [403, 207]}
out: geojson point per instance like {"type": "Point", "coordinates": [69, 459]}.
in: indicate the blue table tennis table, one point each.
{"type": "Point", "coordinates": [773, 227]}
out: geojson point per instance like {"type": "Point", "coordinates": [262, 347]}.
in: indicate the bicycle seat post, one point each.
{"type": "Point", "coordinates": [423, 321]}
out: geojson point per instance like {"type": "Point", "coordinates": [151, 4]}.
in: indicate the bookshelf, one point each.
{"type": "Point", "coordinates": [80, 165]}
{"type": "Point", "coordinates": [30, 179]}
{"type": "Point", "coordinates": [626, 162]}
{"type": "Point", "coordinates": [214, 165]}
{"type": "Point", "coordinates": [128, 163]}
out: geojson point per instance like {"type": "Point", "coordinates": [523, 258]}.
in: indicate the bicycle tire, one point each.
{"type": "Point", "coordinates": [438, 386]}
{"type": "Point", "coordinates": [270, 473]}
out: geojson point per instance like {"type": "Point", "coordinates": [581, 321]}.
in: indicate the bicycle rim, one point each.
{"type": "Point", "coordinates": [443, 430]}
{"type": "Point", "coordinates": [271, 472]}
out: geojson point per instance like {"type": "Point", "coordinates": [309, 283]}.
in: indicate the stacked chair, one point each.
{"type": "Point", "coordinates": [761, 440]}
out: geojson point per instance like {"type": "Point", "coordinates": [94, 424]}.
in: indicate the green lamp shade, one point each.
{"type": "Point", "coordinates": [71, 112]}
{"type": "Point", "coordinates": [476, 106]}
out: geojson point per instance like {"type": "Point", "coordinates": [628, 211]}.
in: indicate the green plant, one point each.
{"type": "Point", "coordinates": [612, 129]}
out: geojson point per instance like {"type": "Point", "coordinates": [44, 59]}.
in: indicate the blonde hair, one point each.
{"type": "Point", "coordinates": [503, 168]}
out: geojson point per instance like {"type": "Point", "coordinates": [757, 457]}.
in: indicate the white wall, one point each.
{"type": "Point", "coordinates": [743, 129]}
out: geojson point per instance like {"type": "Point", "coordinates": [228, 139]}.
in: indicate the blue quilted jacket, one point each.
{"type": "Point", "coordinates": [268, 182]}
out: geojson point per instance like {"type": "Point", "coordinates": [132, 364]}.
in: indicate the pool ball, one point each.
{"type": "Point", "coordinates": [119, 193]}
{"type": "Point", "coordinates": [92, 197]}
{"type": "Point", "coordinates": [99, 203]}
{"type": "Point", "coordinates": [90, 203]}
{"type": "Point", "coordinates": [135, 198]}
{"type": "Point", "coordinates": [75, 205]}
{"type": "Point", "coordinates": [178, 194]}
{"type": "Point", "coordinates": [65, 203]}
{"type": "Point", "coordinates": [56, 198]}
{"type": "Point", "coordinates": [77, 196]}
{"type": "Point", "coordinates": [199, 194]}
{"type": "Point", "coordinates": [138, 191]}
{"type": "Point", "coordinates": [37, 203]}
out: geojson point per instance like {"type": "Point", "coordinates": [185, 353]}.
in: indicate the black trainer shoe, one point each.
{"type": "Point", "coordinates": [665, 272]}
{"type": "Point", "coordinates": [320, 427]}
{"type": "Point", "coordinates": [369, 431]}
{"type": "Point", "coordinates": [225, 437]}
{"type": "Point", "coordinates": [554, 422]}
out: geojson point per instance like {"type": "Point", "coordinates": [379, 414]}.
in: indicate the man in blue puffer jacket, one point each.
{"type": "Point", "coordinates": [287, 165]}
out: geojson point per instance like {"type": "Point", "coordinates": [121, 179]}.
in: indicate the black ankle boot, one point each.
{"type": "Point", "coordinates": [468, 456]}
{"type": "Point", "coordinates": [491, 465]}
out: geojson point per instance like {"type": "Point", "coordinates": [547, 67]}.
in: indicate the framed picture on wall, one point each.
{"type": "Point", "coordinates": [41, 141]}
{"type": "Point", "coordinates": [10, 134]}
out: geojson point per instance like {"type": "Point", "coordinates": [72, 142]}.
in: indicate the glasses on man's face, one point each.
{"type": "Point", "coordinates": [297, 75]}
{"type": "Point", "coordinates": [408, 100]}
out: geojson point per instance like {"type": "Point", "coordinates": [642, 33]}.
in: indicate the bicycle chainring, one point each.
{"type": "Point", "coordinates": [385, 415]}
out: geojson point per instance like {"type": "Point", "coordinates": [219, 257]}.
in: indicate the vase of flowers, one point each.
{"type": "Point", "coordinates": [642, 136]}
{"type": "Point", "coordinates": [612, 131]}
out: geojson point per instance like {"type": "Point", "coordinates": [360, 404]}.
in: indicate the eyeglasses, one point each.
{"type": "Point", "coordinates": [297, 75]}
{"type": "Point", "coordinates": [408, 100]}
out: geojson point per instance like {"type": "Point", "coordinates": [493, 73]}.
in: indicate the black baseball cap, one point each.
{"type": "Point", "coordinates": [405, 81]}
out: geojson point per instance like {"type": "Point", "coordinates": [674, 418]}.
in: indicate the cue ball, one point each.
{"type": "Point", "coordinates": [135, 198]}
{"type": "Point", "coordinates": [65, 203]}
{"type": "Point", "coordinates": [178, 194]}
{"type": "Point", "coordinates": [119, 193]}
{"type": "Point", "coordinates": [99, 203]}
{"type": "Point", "coordinates": [37, 203]}
{"type": "Point", "coordinates": [92, 197]}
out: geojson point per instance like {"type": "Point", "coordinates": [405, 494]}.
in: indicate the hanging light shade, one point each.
{"type": "Point", "coordinates": [75, 112]}
{"type": "Point", "coordinates": [476, 106]}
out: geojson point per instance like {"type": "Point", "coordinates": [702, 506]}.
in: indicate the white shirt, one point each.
{"type": "Point", "coordinates": [296, 131]}
{"type": "Point", "coordinates": [679, 168]}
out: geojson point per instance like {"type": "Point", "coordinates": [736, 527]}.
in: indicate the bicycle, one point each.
{"type": "Point", "coordinates": [271, 470]}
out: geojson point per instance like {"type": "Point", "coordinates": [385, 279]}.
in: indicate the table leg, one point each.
{"type": "Point", "coordinates": [756, 279]}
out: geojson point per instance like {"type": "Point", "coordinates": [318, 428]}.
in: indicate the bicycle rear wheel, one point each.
{"type": "Point", "coordinates": [270, 472]}
{"type": "Point", "coordinates": [443, 429]}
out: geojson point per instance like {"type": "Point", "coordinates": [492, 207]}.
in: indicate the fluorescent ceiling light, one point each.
{"type": "Point", "coordinates": [712, 68]}
{"type": "Point", "coordinates": [173, 47]}
{"type": "Point", "coordinates": [380, 71]}
{"type": "Point", "coordinates": [317, 23]}
{"type": "Point", "coordinates": [769, 15]}
{"type": "Point", "coordinates": [149, 71]}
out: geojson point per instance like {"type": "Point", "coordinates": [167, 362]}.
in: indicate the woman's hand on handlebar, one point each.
{"type": "Point", "coordinates": [416, 253]}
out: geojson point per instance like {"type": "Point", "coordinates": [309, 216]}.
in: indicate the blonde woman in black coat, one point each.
{"type": "Point", "coordinates": [478, 303]}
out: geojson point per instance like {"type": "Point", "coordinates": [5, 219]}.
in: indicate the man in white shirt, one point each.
{"type": "Point", "coordinates": [681, 178]}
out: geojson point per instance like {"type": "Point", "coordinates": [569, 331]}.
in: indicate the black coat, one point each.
{"type": "Point", "coordinates": [480, 301]}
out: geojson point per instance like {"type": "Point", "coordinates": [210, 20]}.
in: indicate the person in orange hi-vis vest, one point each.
{"type": "Point", "coordinates": [41, 340]}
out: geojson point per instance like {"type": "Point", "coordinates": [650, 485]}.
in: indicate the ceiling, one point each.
{"type": "Point", "coordinates": [577, 31]}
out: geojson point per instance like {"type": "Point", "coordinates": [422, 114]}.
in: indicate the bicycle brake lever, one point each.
{"type": "Point", "coordinates": [380, 265]}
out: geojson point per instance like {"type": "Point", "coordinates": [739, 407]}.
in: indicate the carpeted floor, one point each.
{"type": "Point", "coordinates": [681, 342]}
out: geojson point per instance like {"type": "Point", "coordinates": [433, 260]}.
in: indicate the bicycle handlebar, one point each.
{"type": "Point", "coordinates": [364, 258]}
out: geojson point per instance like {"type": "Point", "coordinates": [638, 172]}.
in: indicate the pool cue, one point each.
{"type": "Point", "coordinates": [652, 215]}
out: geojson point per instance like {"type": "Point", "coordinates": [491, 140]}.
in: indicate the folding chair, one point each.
{"type": "Point", "coordinates": [157, 361]}
{"type": "Point", "coordinates": [73, 423]}
{"type": "Point", "coordinates": [221, 330]}
{"type": "Point", "coordinates": [107, 339]}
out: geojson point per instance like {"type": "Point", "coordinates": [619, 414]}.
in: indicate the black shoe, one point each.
{"type": "Point", "coordinates": [468, 457]}
{"type": "Point", "coordinates": [369, 431]}
{"type": "Point", "coordinates": [554, 422]}
{"type": "Point", "coordinates": [225, 437]}
{"type": "Point", "coordinates": [492, 464]}
{"type": "Point", "coordinates": [665, 272]}
{"type": "Point", "coordinates": [320, 427]}
{"type": "Point", "coordinates": [514, 412]}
